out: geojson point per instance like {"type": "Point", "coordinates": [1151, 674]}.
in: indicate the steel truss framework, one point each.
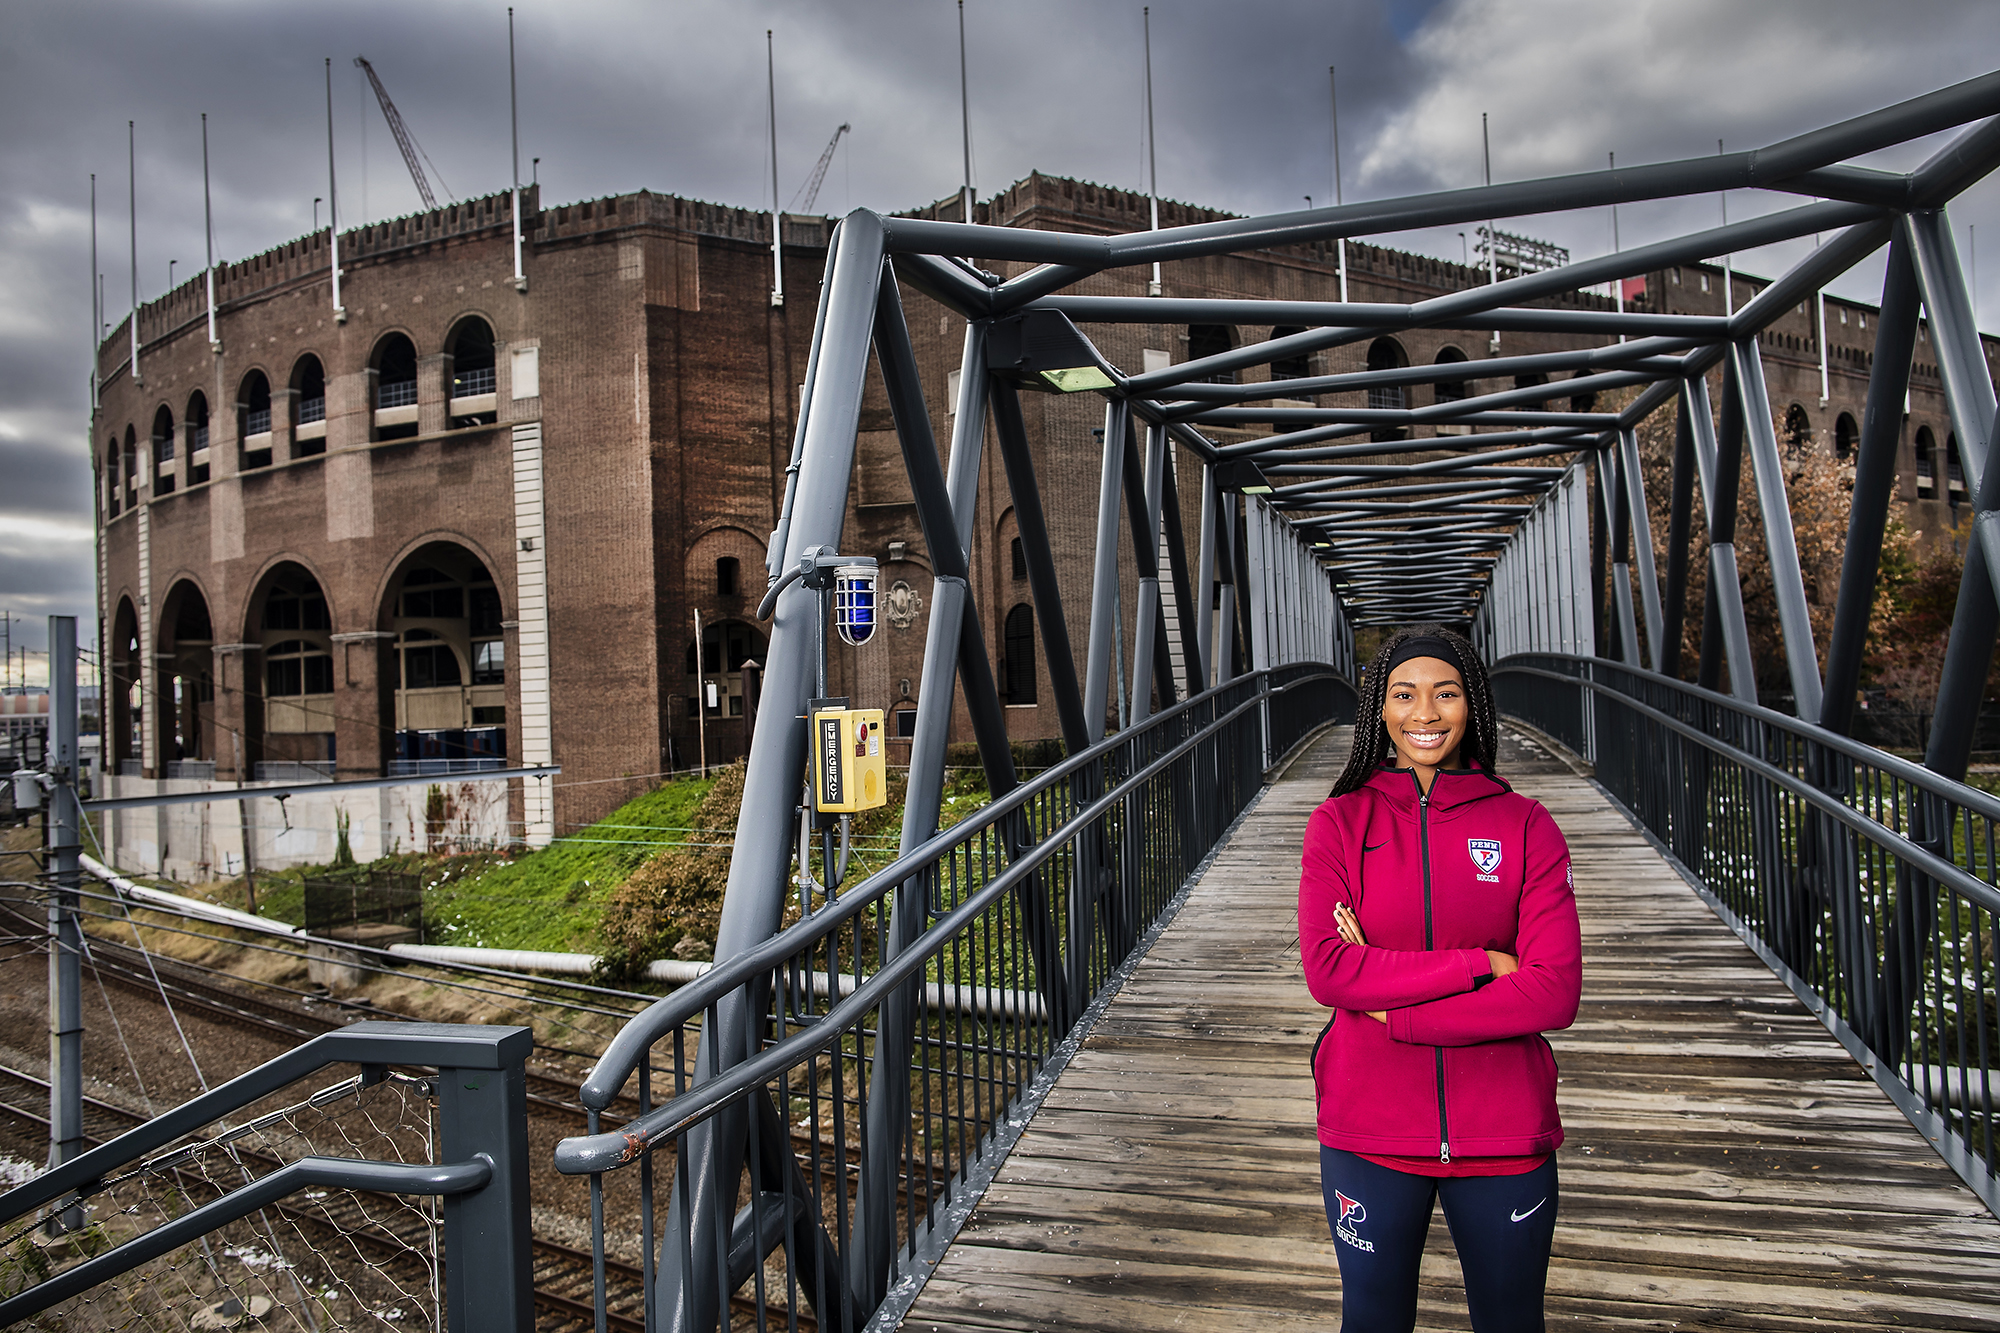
{"type": "Point", "coordinates": [1304, 533]}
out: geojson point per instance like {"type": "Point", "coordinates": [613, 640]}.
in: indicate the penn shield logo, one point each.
{"type": "Point", "coordinates": [1351, 1213]}
{"type": "Point", "coordinates": [1485, 854]}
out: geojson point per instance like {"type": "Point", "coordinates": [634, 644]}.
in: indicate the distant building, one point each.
{"type": "Point", "coordinates": [459, 524]}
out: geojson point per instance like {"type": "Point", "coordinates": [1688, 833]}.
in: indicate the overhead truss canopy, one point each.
{"type": "Point", "coordinates": [1474, 509]}
{"type": "Point", "coordinates": [1400, 535]}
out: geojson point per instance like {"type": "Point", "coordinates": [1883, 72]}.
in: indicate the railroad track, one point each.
{"type": "Point", "coordinates": [564, 1283]}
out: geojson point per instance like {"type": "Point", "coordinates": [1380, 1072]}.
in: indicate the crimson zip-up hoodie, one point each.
{"type": "Point", "coordinates": [1460, 1069]}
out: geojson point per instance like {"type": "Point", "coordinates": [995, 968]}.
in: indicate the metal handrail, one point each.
{"type": "Point", "coordinates": [1903, 847]}
{"type": "Point", "coordinates": [1863, 880]}
{"type": "Point", "coordinates": [583, 1154]}
{"type": "Point", "coordinates": [625, 1052]}
{"type": "Point", "coordinates": [1985, 804]}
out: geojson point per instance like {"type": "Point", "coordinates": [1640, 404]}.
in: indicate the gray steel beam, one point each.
{"type": "Point", "coordinates": [1645, 353]}
{"type": "Point", "coordinates": [1456, 306]}
{"type": "Point", "coordinates": [1473, 408]}
{"type": "Point", "coordinates": [1204, 607]}
{"type": "Point", "coordinates": [1680, 515]}
{"type": "Point", "coordinates": [774, 555]}
{"type": "Point", "coordinates": [1970, 398]}
{"type": "Point", "coordinates": [1642, 543]}
{"type": "Point", "coordinates": [754, 902]}
{"type": "Point", "coordinates": [1187, 615]}
{"type": "Point", "coordinates": [947, 283]}
{"type": "Point", "coordinates": [1375, 316]}
{"type": "Point", "coordinates": [1042, 581]}
{"type": "Point", "coordinates": [1476, 463]}
{"type": "Point", "coordinates": [1152, 660]}
{"type": "Point", "coordinates": [1272, 449]}
{"type": "Point", "coordinates": [1874, 487]}
{"type": "Point", "coordinates": [1764, 168]}
{"type": "Point", "coordinates": [1104, 570]}
{"type": "Point", "coordinates": [1612, 499]}
{"type": "Point", "coordinates": [1803, 279]}
{"type": "Point", "coordinates": [1720, 457]}
{"type": "Point", "coordinates": [1781, 546]}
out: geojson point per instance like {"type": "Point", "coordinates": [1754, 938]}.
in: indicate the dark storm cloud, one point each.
{"type": "Point", "coordinates": [617, 96]}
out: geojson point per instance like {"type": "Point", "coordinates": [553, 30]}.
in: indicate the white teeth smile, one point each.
{"type": "Point", "coordinates": [1425, 738]}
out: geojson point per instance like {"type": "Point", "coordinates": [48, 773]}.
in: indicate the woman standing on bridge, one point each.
{"type": "Point", "coordinates": [1437, 920]}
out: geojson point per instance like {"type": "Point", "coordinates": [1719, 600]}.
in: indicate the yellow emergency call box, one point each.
{"type": "Point", "coordinates": [850, 771]}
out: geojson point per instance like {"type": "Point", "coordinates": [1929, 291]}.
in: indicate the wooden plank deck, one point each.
{"type": "Point", "coordinates": [1727, 1164]}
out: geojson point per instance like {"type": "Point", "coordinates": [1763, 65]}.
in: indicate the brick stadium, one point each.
{"type": "Point", "coordinates": [463, 522]}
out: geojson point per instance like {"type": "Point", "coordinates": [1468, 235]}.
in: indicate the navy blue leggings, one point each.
{"type": "Point", "coordinates": [1502, 1225]}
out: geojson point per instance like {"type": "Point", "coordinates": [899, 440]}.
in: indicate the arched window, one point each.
{"type": "Point", "coordinates": [1019, 664]}
{"type": "Point", "coordinates": [428, 661]}
{"type": "Point", "coordinates": [253, 413]}
{"type": "Point", "coordinates": [1020, 559]}
{"type": "Point", "coordinates": [308, 407]}
{"type": "Point", "coordinates": [1206, 340]}
{"type": "Point", "coordinates": [1798, 429]}
{"type": "Point", "coordinates": [1954, 471]}
{"type": "Point", "coordinates": [450, 680]}
{"type": "Point", "coordinates": [1387, 354]}
{"type": "Point", "coordinates": [111, 491]}
{"type": "Point", "coordinates": [297, 667]}
{"type": "Point", "coordinates": [1846, 436]}
{"type": "Point", "coordinates": [726, 568]}
{"type": "Point", "coordinates": [197, 432]}
{"type": "Point", "coordinates": [1451, 391]}
{"type": "Point", "coordinates": [163, 451]}
{"type": "Point", "coordinates": [131, 467]}
{"type": "Point", "coordinates": [395, 365]}
{"type": "Point", "coordinates": [1290, 367]}
{"type": "Point", "coordinates": [1926, 451]}
{"type": "Point", "coordinates": [472, 382]}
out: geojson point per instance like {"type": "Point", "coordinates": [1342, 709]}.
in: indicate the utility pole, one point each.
{"type": "Point", "coordinates": [701, 693]}
{"type": "Point", "coordinates": [64, 842]}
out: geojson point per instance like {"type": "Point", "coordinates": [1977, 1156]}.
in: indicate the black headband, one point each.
{"type": "Point", "coordinates": [1427, 645]}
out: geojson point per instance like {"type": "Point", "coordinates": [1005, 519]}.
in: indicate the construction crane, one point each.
{"type": "Point", "coordinates": [810, 190]}
{"type": "Point", "coordinates": [404, 139]}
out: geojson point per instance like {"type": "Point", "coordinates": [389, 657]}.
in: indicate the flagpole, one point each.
{"type": "Point", "coordinates": [1333, 81]}
{"type": "Point", "coordinates": [96, 297]}
{"type": "Point", "coordinates": [208, 234]}
{"type": "Point", "coordinates": [332, 201]}
{"type": "Point", "coordinates": [514, 118]}
{"type": "Point", "coordinates": [1153, 288]}
{"type": "Point", "coordinates": [132, 195]}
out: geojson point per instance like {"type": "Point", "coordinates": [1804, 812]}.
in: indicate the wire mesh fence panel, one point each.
{"type": "Point", "coordinates": [315, 1260]}
{"type": "Point", "coordinates": [1866, 881]}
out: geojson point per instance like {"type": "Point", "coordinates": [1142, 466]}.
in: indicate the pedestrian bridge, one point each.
{"type": "Point", "coordinates": [1728, 1162]}
{"type": "Point", "coordinates": [1057, 1049]}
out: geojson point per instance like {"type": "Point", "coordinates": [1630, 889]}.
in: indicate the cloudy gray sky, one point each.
{"type": "Point", "coordinates": [616, 95]}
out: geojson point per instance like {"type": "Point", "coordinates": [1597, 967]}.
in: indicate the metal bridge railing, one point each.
{"type": "Point", "coordinates": [1864, 880]}
{"type": "Point", "coordinates": [805, 1182]}
{"type": "Point", "coordinates": [387, 1197]}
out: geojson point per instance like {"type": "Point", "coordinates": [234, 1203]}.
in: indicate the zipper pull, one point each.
{"type": "Point", "coordinates": [1444, 1153]}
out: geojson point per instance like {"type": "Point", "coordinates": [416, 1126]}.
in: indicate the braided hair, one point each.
{"type": "Point", "coordinates": [1481, 745]}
